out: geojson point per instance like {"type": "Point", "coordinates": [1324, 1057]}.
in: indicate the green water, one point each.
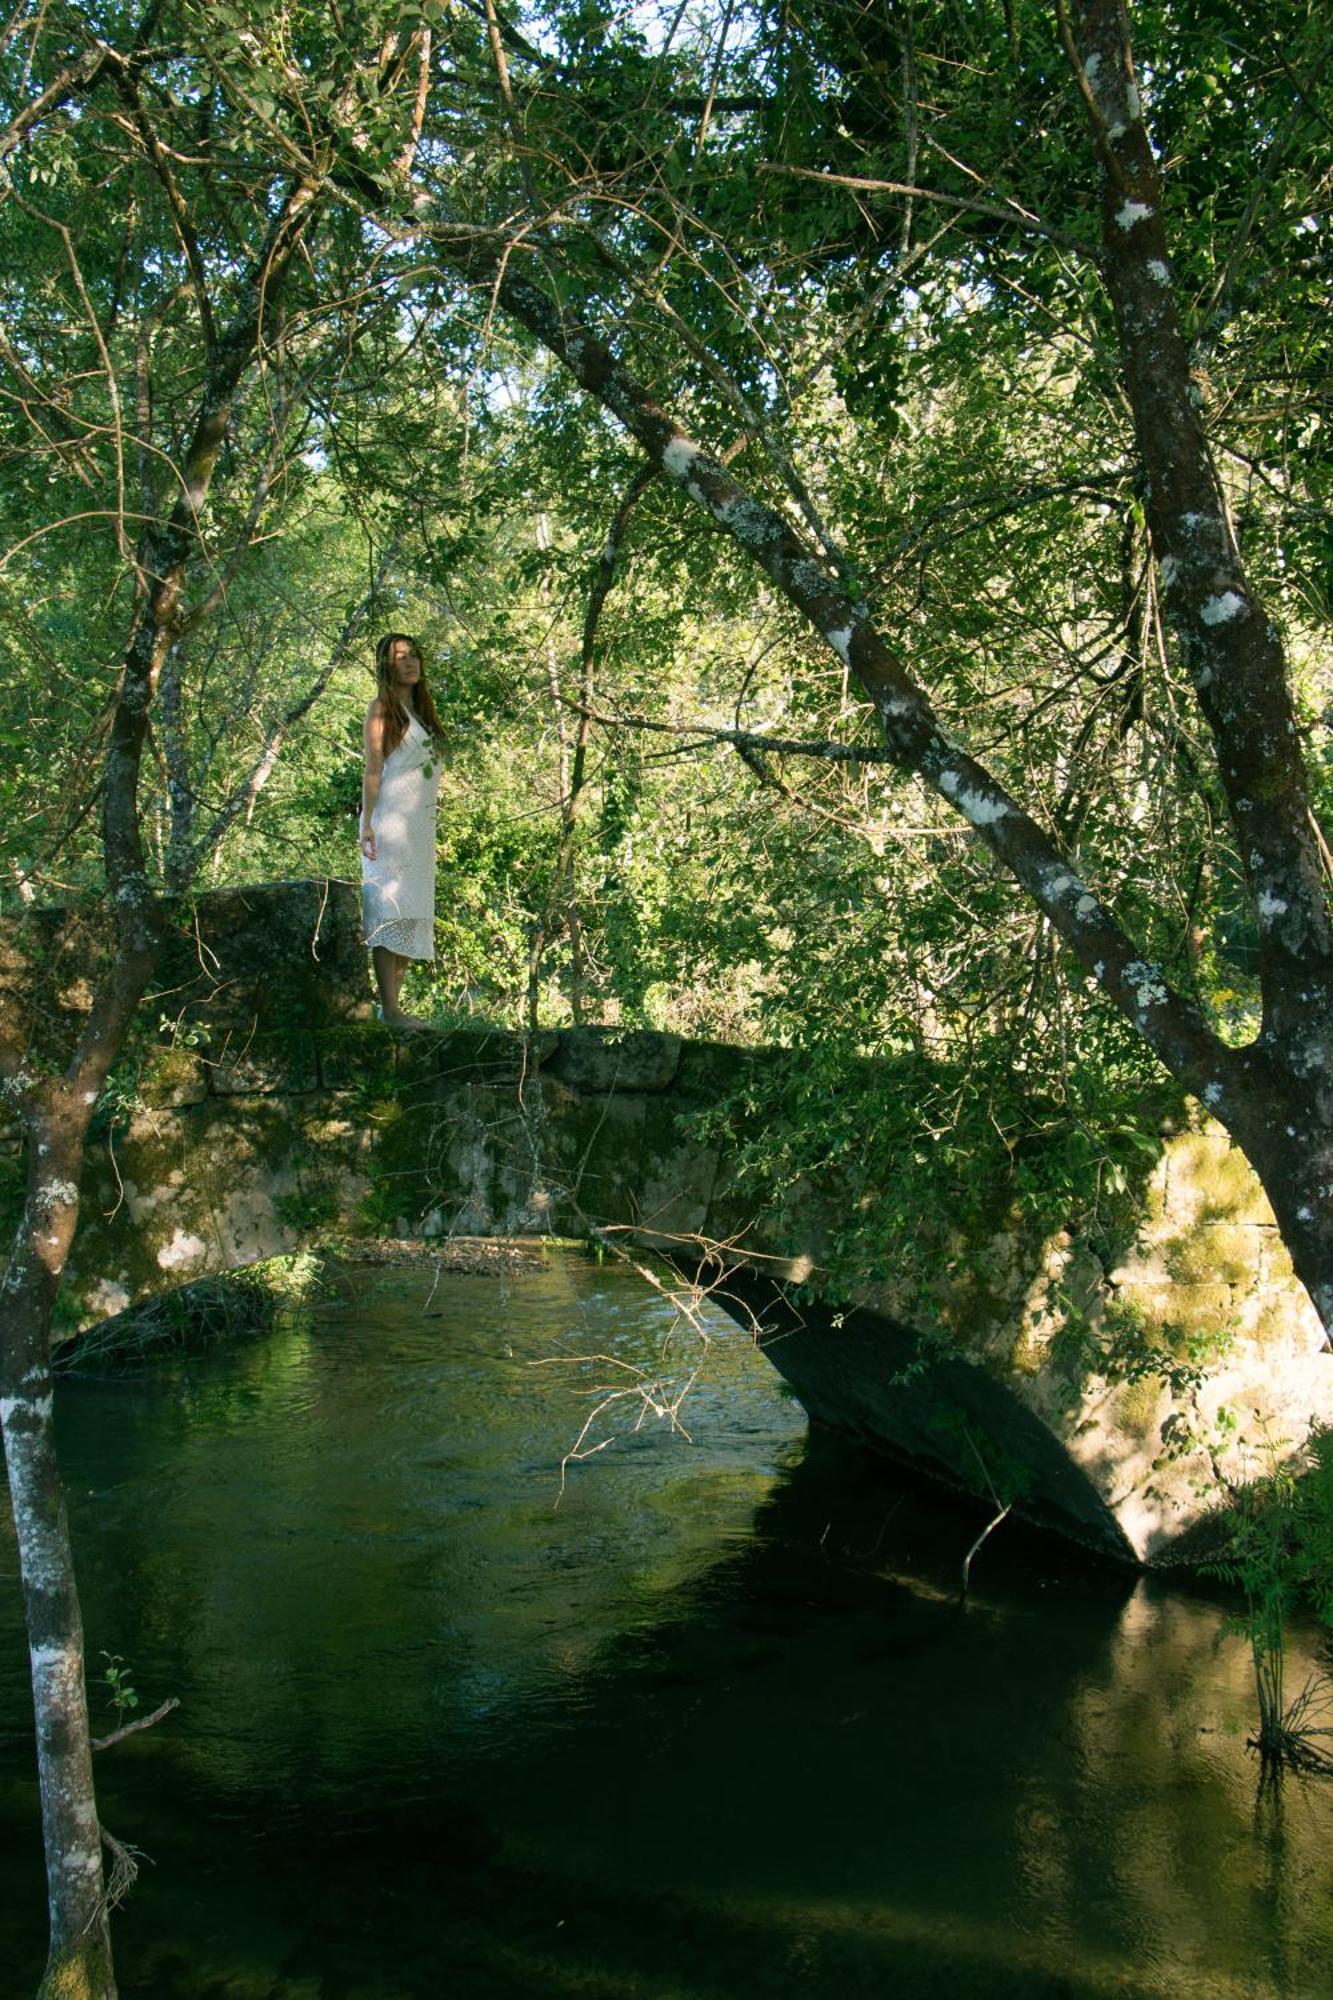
{"type": "Point", "coordinates": [713, 1725]}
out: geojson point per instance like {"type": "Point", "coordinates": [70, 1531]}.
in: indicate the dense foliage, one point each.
{"type": "Point", "coordinates": [856, 246]}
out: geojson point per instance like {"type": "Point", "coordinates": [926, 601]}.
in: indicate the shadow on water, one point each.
{"type": "Point", "coordinates": [717, 1724]}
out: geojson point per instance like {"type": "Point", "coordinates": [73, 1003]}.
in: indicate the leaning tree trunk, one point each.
{"type": "Point", "coordinates": [1275, 1097]}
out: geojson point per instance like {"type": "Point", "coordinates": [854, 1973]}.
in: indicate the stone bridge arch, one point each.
{"type": "Point", "coordinates": [271, 1113]}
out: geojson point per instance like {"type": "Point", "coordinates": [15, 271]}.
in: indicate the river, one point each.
{"type": "Point", "coordinates": [700, 1718]}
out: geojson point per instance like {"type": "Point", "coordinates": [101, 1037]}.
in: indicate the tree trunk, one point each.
{"type": "Point", "coordinates": [79, 1959]}
{"type": "Point", "coordinates": [56, 1113]}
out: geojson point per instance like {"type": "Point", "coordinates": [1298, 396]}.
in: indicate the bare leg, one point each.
{"type": "Point", "coordinates": [390, 967]}
{"type": "Point", "coordinates": [389, 978]}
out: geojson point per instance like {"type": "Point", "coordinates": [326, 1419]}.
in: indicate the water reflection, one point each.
{"type": "Point", "coordinates": [716, 1723]}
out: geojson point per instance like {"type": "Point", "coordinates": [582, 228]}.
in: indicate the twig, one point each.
{"type": "Point", "coordinates": [124, 1874]}
{"type": "Point", "coordinates": [994, 210]}
{"type": "Point", "coordinates": [132, 1729]}
{"type": "Point", "coordinates": [990, 1525]}
{"type": "Point", "coordinates": [967, 1559]}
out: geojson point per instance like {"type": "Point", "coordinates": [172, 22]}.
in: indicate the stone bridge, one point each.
{"type": "Point", "coordinates": [266, 1112]}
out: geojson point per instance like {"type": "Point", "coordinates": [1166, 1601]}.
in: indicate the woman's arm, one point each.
{"type": "Point", "coordinates": [370, 784]}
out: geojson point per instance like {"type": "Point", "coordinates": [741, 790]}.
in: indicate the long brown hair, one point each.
{"type": "Point", "coordinates": [395, 709]}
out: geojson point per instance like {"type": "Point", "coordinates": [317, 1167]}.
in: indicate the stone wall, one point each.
{"type": "Point", "coordinates": [266, 1112]}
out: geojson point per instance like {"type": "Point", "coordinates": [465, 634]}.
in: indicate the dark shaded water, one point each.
{"type": "Point", "coordinates": [713, 1726]}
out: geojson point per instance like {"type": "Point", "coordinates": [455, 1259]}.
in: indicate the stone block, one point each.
{"type": "Point", "coordinates": [290, 952]}
{"type": "Point", "coordinates": [1198, 1310]}
{"type": "Point", "coordinates": [586, 1151]}
{"type": "Point", "coordinates": [354, 1056]}
{"type": "Point", "coordinates": [709, 1070]}
{"type": "Point", "coordinates": [677, 1175]}
{"type": "Point", "coordinates": [171, 1078]}
{"type": "Point", "coordinates": [1224, 1253]}
{"type": "Point", "coordinates": [255, 1065]}
{"type": "Point", "coordinates": [1210, 1180]}
{"type": "Point", "coordinates": [597, 1061]}
{"type": "Point", "coordinates": [471, 1055]}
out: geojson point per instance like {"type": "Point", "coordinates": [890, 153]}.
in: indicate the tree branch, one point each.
{"type": "Point", "coordinates": [74, 81]}
{"type": "Point", "coordinates": [1015, 216]}
{"type": "Point", "coordinates": [1172, 1025]}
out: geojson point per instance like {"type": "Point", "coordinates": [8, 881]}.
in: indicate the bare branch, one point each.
{"type": "Point", "coordinates": [1013, 214]}
{"type": "Point", "coordinates": [74, 81]}
{"type": "Point", "coordinates": [133, 1728]}
{"type": "Point", "coordinates": [261, 770]}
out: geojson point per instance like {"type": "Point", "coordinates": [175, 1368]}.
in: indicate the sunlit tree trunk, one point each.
{"type": "Point", "coordinates": [79, 1952]}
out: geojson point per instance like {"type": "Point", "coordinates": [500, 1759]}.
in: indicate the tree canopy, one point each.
{"type": "Point", "coordinates": [856, 255]}
{"type": "Point", "coordinates": [862, 477]}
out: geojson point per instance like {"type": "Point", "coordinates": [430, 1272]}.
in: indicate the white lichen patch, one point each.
{"type": "Point", "coordinates": [1221, 609]}
{"type": "Point", "coordinates": [56, 1194]}
{"type": "Point", "coordinates": [1131, 213]}
{"type": "Point", "coordinates": [975, 806]}
{"type": "Point", "coordinates": [808, 577]}
{"type": "Point", "coordinates": [752, 525]}
{"type": "Point", "coordinates": [1086, 906]}
{"type": "Point", "coordinates": [108, 1297]}
{"type": "Point", "coordinates": [678, 458]}
{"type": "Point", "coordinates": [1146, 983]}
{"type": "Point", "coordinates": [182, 1249]}
{"type": "Point", "coordinates": [1212, 1095]}
{"type": "Point", "coordinates": [1159, 271]}
{"type": "Point", "coordinates": [981, 810]}
{"type": "Point", "coordinates": [1170, 571]}
{"type": "Point", "coordinates": [1133, 102]}
{"type": "Point", "coordinates": [841, 642]}
{"type": "Point", "coordinates": [1271, 906]}
{"type": "Point", "coordinates": [48, 1659]}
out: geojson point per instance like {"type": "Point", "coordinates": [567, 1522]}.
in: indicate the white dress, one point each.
{"type": "Point", "coordinates": [398, 886]}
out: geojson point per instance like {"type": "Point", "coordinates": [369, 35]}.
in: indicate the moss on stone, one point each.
{"type": "Point", "coordinates": [1137, 1405]}
{"type": "Point", "coordinates": [1222, 1184]}
{"type": "Point", "coordinates": [1271, 1326]}
{"type": "Point", "coordinates": [1222, 1253]}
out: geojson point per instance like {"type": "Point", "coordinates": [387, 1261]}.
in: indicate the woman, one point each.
{"type": "Point", "coordinates": [398, 795]}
